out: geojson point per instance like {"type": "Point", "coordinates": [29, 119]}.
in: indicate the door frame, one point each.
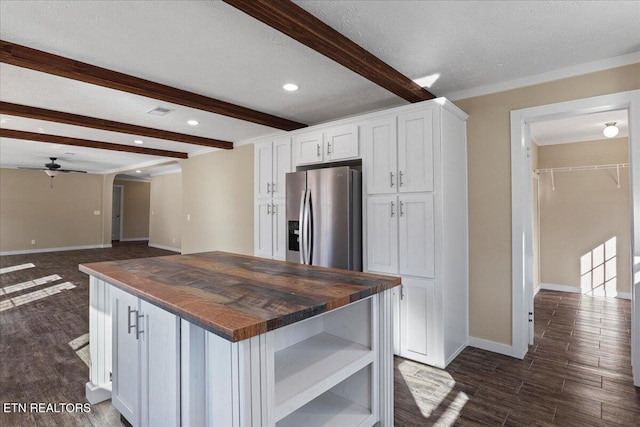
{"type": "Point", "coordinates": [121, 187]}
{"type": "Point", "coordinates": [521, 197]}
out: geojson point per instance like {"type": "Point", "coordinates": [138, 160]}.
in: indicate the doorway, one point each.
{"type": "Point", "coordinates": [116, 213]}
{"type": "Point", "coordinates": [521, 202]}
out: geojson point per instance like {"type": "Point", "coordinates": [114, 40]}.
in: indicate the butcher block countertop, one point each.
{"type": "Point", "coordinates": [238, 296]}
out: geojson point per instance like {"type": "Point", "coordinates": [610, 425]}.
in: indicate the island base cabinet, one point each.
{"type": "Point", "coordinates": [324, 371]}
{"type": "Point", "coordinates": [145, 362]}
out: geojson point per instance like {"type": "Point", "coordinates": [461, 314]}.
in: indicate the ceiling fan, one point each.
{"type": "Point", "coordinates": [53, 169]}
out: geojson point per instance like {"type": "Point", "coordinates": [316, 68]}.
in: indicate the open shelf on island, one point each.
{"type": "Point", "coordinates": [328, 409]}
{"type": "Point", "coordinates": [309, 368]}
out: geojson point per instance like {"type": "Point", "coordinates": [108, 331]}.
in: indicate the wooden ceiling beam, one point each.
{"type": "Point", "coordinates": [45, 62]}
{"type": "Point", "coordinates": [65, 140]}
{"type": "Point", "coordinates": [297, 23]}
{"type": "Point", "coordinates": [108, 125]}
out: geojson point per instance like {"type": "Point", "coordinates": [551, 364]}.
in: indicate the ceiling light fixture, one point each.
{"type": "Point", "coordinates": [139, 141]}
{"type": "Point", "coordinates": [610, 129]}
{"type": "Point", "coordinates": [290, 87]}
{"type": "Point", "coordinates": [51, 173]}
{"type": "Point", "coordinates": [193, 122]}
{"type": "Point", "coordinates": [138, 171]}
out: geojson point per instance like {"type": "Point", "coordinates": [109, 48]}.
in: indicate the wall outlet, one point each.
{"type": "Point", "coordinates": [96, 213]}
{"type": "Point", "coordinates": [33, 242]}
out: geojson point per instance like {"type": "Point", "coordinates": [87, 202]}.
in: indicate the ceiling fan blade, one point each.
{"type": "Point", "coordinates": [70, 170]}
{"type": "Point", "coordinates": [33, 169]}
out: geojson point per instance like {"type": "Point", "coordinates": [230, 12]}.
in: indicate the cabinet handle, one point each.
{"type": "Point", "coordinates": [328, 148]}
{"type": "Point", "coordinates": [273, 209]}
{"type": "Point", "coordinates": [129, 325]}
{"type": "Point", "coordinates": [268, 188]}
{"type": "Point", "coordinates": [273, 187]}
{"type": "Point", "coordinates": [138, 330]}
{"type": "Point", "coordinates": [268, 209]}
{"type": "Point", "coordinates": [401, 210]}
{"type": "Point", "coordinates": [400, 183]}
{"type": "Point", "coordinates": [392, 212]}
{"type": "Point", "coordinates": [391, 178]}
{"type": "Point", "coordinates": [318, 150]}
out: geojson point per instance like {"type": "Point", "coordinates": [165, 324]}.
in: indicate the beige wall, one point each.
{"type": "Point", "coordinates": [585, 210]}
{"type": "Point", "coordinates": [217, 194]}
{"type": "Point", "coordinates": [135, 209]}
{"type": "Point", "coordinates": [165, 222]}
{"type": "Point", "coordinates": [58, 217]}
{"type": "Point", "coordinates": [489, 162]}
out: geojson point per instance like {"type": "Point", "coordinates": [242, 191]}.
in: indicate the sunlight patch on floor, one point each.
{"type": "Point", "coordinates": [15, 268]}
{"type": "Point", "coordinates": [81, 346]}
{"type": "Point", "coordinates": [30, 284]}
{"type": "Point", "coordinates": [34, 296]}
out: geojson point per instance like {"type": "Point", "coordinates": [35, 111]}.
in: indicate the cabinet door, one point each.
{"type": "Point", "coordinates": [415, 151]}
{"type": "Point", "coordinates": [281, 166]}
{"type": "Point", "coordinates": [382, 234]}
{"type": "Point", "coordinates": [308, 148]}
{"type": "Point", "coordinates": [160, 367]}
{"type": "Point", "coordinates": [125, 388]}
{"type": "Point", "coordinates": [380, 144]}
{"type": "Point", "coordinates": [417, 235]}
{"type": "Point", "coordinates": [263, 229]}
{"type": "Point", "coordinates": [263, 164]}
{"type": "Point", "coordinates": [342, 142]}
{"type": "Point", "coordinates": [279, 235]}
{"type": "Point", "coordinates": [416, 306]}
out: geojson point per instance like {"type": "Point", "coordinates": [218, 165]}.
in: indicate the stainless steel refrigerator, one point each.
{"type": "Point", "coordinates": [324, 217]}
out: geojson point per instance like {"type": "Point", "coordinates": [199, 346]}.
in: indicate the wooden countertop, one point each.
{"type": "Point", "coordinates": [238, 296]}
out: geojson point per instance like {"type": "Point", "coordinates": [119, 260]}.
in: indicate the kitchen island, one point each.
{"type": "Point", "coordinates": [232, 340]}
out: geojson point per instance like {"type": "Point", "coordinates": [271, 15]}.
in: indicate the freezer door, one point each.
{"type": "Point", "coordinates": [329, 202]}
{"type": "Point", "coordinates": [296, 184]}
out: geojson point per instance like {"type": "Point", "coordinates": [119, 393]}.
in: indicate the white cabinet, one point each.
{"type": "Point", "coordinates": [399, 152]}
{"type": "Point", "coordinates": [332, 144]}
{"type": "Point", "coordinates": [272, 161]}
{"type": "Point", "coordinates": [145, 361]}
{"type": "Point", "coordinates": [416, 224]}
{"type": "Point", "coordinates": [401, 240]}
{"type": "Point", "coordinates": [269, 229]}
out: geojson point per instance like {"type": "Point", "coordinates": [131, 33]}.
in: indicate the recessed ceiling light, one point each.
{"type": "Point", "coordinates": [290, 87]}
{"type": "Point", "coordinates": [138, 171]}
{"type": "Point", "coordinates": [139, 141]}
{"type": "Point", "coordinates": [193, 122]}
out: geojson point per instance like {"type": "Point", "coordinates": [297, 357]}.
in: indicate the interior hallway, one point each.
{"type": "Point", "coordinates": [577, 373]}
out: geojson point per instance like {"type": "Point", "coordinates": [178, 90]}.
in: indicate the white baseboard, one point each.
{"type": "Point", "coordinates": [536, 290]}
{"type": "Point", "coordinates": [624, 295]}
{"type": "Point", "coordinates": [454, 355]}
{"type": "Point", "coordinates": [135, 239]}
{"type": "Point", "coordinates": [68, 248]}
{"type": "Point", "coordinates": [560, 288]}
{"type": "Point", "coordinates": [166, 248]}
{"type": "Point", "coordinates": [492, 346]}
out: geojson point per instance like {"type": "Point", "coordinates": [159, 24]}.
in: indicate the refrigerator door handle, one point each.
{"type": "Point", "coordinates": [309, 231]}
{"type": "Point", "coordinates": [302, 227]}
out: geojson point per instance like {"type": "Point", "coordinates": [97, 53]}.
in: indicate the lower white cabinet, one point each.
{"type": "Point", "coordinates": [145, 361]}
{"type": "Point", "coordinates": [416, 311]}
{"type": "Point", "coordinates": [269, 229]}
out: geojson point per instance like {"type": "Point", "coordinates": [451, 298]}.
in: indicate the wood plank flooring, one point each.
{"type": "Point", "coordinates": [577, 374]}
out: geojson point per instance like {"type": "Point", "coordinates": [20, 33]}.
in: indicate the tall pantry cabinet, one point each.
{"type": "Point", "coordinates": [416, 224]}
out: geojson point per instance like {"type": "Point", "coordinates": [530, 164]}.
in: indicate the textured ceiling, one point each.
{"type": "Point", "coordinates": [212, 49]}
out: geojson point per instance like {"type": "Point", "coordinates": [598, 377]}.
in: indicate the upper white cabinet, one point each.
{"type": "Point", "coordinates": [272, 161]}
{"type": "Point", "coordinates": [399, 152]}
{"type": "Point", "coordinates": [329, 145]}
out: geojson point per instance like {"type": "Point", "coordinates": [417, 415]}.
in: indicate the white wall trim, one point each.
{"type": "Point", "coordinates": [67, 248]}
{"type": "Point", "coordinates": [166, 248]}
{"type": "Point", "coordinates": [624, 295]}
{"type": "Point", "coordinates": [560, 288]}
{"type": "Point", "coordinates": [456, 353]}
{"type": "Point", "coordinates": [563, 73]}
{"type": "Point", "coordinates": [135, 239]}
{"type": "Point", "coordinates": [492, 346]}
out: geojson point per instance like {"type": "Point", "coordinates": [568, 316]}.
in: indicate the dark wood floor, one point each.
{"type": "Point", "coordinates": [577, 373]}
